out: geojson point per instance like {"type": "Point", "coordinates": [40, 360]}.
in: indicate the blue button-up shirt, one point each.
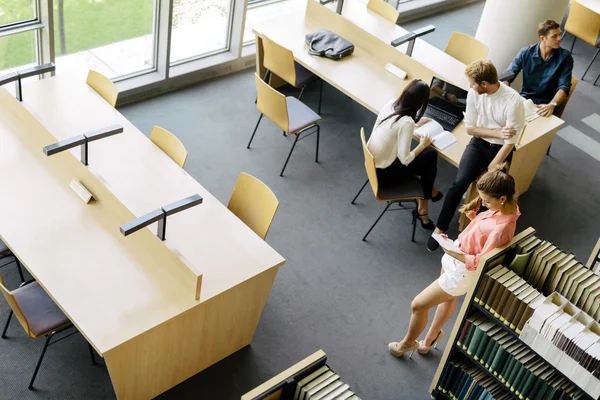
{"type": "Point", "coordinates": [543, 78]}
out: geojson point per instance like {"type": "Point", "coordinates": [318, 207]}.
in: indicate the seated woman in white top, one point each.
{"type": "Point", "coordinates": [390, 144]}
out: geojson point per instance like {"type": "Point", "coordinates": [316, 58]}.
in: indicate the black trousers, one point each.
{"type": "Point", "coordinates": [476, 158]}
{"type": "Point", "coordinates": [424, 166]}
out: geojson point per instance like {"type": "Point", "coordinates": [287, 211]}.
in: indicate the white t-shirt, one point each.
{"type": "Point", "coordinates": [391, 139]}
{"type": "Point", "coordinates": [492, 111]}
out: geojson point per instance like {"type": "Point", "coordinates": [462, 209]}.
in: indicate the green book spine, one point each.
{"type": "Point", "coordinates": [541, 390]}
{"type": "Point", "coordinates": [550, 392]}
{"type": "Point", "coordinates": [525, 385]}
{"type": "Point", "coordinates": [489, 352]}
{"type": "Point", "coordinates": [519, 380]}
{"type": "Point", "coordinates": [535, 388]}
{"type": "Point", "coordinates": [499, 360]}
{"type": "Point", "coordinates": [473, 344]}
{"type": "Point", "coordinates": [485, 339]}
{"type": "Point", "coordinates": [469, 336]}
{"type": "Point", "coordinates": [510, 378]}
{"type": "Point", "coordinates": [507, 369]}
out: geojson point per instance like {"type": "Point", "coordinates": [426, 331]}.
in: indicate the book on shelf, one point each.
{"type": "Point", "coordinates": [495, 302]}
{"type": "Point", "coordinates": [534, 243]}
{"type": "Point", "coordinates": [568, 276]}
{"type": "Point", "coordinates": [528, 309]}
{"type": "Point", "coordinates": [485, 285]}
{"type": "Point", "coordinates": [524, 243]}
{"type": "Point", "coordinates": [504, 295]}
{"type": "Point", "coordinates": [519, 263]}
{"type": "Point", "coordinates": [556, 274]}
{"type": "Point", "coordinates": [510, 303]}
{"type": "Point", "coordinates": [534, 259]}
{"type": "Point", "coordinates": [585, 286]}
{"type": "Point", "coordinates": [496, 284]}
{"type": "Point", "coordinates": [545, 263]}
{"type": "Point", "coordinates": [573, 284]}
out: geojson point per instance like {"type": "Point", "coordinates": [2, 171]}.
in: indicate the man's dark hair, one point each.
{"type": "Point", "coordinates": [545, 27]}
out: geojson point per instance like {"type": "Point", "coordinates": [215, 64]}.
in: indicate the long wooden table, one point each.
{"type": "Point", "coordinates": [158, 312]}
{"type": "Point", "coordinates": [363, 77]}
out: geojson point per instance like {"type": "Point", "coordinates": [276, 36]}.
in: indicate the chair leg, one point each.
{"type": "Point", "coordinates": [283, 133]}
{"type": "Point", "coordinates": [254, 133]}
{"type": "Point", "coordinates": [7, 323]}
{"type": "Point", "coordinates": [414, 223]}
{"type": "Point", "coordinates": [92, 354]}
{"type": "Point", "coordinates": [320, 95]}
{"type": "Point", "coordinates": [359, 192]}
{"type": "Point", "coordinates": [289, 155]}
{"type": "Point", "coordinates": [20, 270]}
{"type": "Point", "coordinates": [573, 44]}
{"type": "Point", "coordinates": [301, 92]}
{"type": "Point", "coordinates": [39, 363]}
{"type": "Point", "coordinates": [596, 79]}
{"type": "Point", "coordinates": [377, 220]}
{"type": "Point", "coordinates": [548, 151]}
{"type": "Point", "coordinates": [318, 135]}
{"type": "Point", "coordinates": [591, 62]}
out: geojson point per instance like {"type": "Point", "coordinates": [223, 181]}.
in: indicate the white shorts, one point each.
{"type": "Point", "coordinates": [456, 279]}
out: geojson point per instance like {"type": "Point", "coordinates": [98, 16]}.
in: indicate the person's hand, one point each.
{"type": "Point", "coordinates": [545, 110]}
{"type": "Point", "coordinates": [453, 254]}
{"type": "Point", "coordinates": [423, 121]}
{"type": "Point", "coordinates": [425, 141]}
{"type": "Point", "coordinates": [507, 132]}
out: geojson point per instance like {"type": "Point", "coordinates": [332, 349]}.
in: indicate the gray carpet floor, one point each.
{"type": "Point", "coordinates": [336, 293]}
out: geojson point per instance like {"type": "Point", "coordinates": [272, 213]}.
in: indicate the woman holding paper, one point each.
{"type": "Point", "coordinates": [390, 145]}
{"type": "Point", "coordinates": [488, 230]}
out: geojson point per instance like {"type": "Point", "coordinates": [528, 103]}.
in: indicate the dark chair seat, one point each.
{"type": "Point", "coordinates": [42, 314]}
{"type": "Point", "coordinates": [300, 115]}
{"type": "Point", "coordinates": [303, 76]}
{"type": "Point", "coordinates": [409, 188]}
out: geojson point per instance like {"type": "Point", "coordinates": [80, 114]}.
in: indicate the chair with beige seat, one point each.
{"type": "Point", "coordinates": [170, 144]}
{"type": "Point", "coordinates": [103, 86]}
{"type": "Point", "coordinates": [384, 9]}
{"type": "Point", "coordinates": [280, 61]}
{"type": "Point", "coordinates": [288, 113]}
{"type": "Point", "coordinates": [465, 48]}
{"type": "Point", "coordinates": [38, 315]}
{"type": "Point", "coordinates": [584, 24]}
{"type": "Point", "coordinates": [254, 203]}
{"type": "Point", "coordinates": [406, 189]}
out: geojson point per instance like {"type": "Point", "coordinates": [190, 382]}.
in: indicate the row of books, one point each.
{"type": "Point", "coordinates": [323, 384]}
{"type": "Point", "coordinates": [508, 297]}
{"type": "Point", "coordinates": [549, 269]}
{"type": "Point", "coordinates": [569, 338]}
{"type": "Point", "coordinates": [516, 365]}
{"type": "Point", "coordinates": [461, 380]}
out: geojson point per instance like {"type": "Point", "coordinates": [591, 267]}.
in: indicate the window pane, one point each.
{"type": "Point", "coordinates": [199, 27]}
{"type": "Point", "coordinates": [13, 11]}
{"type": "Point", "coordinates": [259, 11]}
{"type": "Point", "coordinates": [17, 50]}
{"type": "Point", "coordinates": [114, 37]}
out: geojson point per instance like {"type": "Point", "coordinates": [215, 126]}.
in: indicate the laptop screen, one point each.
{"type": "Point", "coordinates": [448, 97]}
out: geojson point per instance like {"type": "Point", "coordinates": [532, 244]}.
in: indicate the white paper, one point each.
{"type": "Point", "coordinates": [446, 243]}
{"type": "Point", "coordinates": [530, 110]}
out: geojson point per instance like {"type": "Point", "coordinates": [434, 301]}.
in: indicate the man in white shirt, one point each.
{"type": "Point", "coordinates": [494, 116]}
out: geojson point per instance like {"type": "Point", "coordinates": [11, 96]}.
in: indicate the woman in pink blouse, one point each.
{"type": "Point", "coordinates": [487, 230]}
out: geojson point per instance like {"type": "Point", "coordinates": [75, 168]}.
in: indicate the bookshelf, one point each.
{"type": "Point", "coordinates": [470, 307]}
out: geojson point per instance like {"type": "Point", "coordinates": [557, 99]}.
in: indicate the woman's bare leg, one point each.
{"type": "Point", "coordinates": [442, 314]}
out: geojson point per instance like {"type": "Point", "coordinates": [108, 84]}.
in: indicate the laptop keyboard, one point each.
{"type": "Point", "coordinates": [442, 116]}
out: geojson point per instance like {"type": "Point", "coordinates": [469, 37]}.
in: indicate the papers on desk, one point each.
{"type": "Point", "coordinates": [446, 243]}
{"type": "Point", "coordinates": [391, 68]}
{"type": "Point", "coordinates": [530, 110]}
{"type": "Point", "coordinates": [441, 139]}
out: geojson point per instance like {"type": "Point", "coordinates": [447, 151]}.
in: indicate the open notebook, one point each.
{"type": "Point", "coordinates": [441, 139]}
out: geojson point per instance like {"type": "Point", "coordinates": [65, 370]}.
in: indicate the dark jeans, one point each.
{"type": "Point", "coordinates": [474, 161]}
{"type": "Point", "coordinates": [424, 166]}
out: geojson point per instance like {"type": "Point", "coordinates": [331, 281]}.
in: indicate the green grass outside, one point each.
{"type": "Point", "coordinates": [87, 24]}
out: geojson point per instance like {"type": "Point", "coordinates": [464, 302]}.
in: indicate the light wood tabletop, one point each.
{"type": "Point", "coordinates": [593, 5]}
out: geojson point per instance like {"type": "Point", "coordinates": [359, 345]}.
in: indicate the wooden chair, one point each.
{"type": "Point", "coordinates": [288, 113]}
{"type": "Point", "coordinates": [384, 9]}
{"type": "Point", "coordinates": [38, 315]}
{"type": "Point", "coordinates": [103, 86]}
{"type": "Point", "coordinates": [584, 24]}
{"type": "Point", "coordinates": [254, 203]}
{"type": "Point", "coordinates": [6, 253]}
{"type": "Point", "coordinates": [280, 61]}
{"type": "Point", "coordinates": [465, 48]}
{"type": "Point", "coordinates": [408, 189]}
{"type": "Point", "coordinates": [561, 108]}
{"type": "Point", "coordinates": [170, 144]}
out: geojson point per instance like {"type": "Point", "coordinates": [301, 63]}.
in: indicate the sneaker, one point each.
{"type": "Point", "coordinates": [432, 244]}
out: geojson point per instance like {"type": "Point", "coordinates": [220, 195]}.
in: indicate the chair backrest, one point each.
{"type": "Point", "coordinates": [10, 299]}
{"type": "Point", "coordinates": [271, 103]}
{"type": "Point", "coordinates": [279, 61]}
{"type": "Point", "coordinates": [103, 86]}
{"type": "Point", "coordinates": [170, 144]}
{"type": "Point", "coordinates": [370, 164]}
{"type": "Point", "coordinates": [254, 203]}
{"type": "Point", "coordinates": [561, 108]}
{"type": "Point", "coordinates": [465, 48]}
{"type": "Point", "coordinates": [384, 9]}
{"type": "Point", "coordinates": [583, 23]}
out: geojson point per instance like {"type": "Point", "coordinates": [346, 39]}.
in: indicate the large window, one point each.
{"type": "Point", "coordinates": [200, 27]}
{"type": "Point", "coordinates": [115, 37]}
{"type": "Point", "coordinates": [13, 12]}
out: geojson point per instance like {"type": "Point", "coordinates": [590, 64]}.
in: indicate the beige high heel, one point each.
{"type": "Point", "coordinates": [425, 349]}
{"type": "Point", "coordinates": [395, 346]}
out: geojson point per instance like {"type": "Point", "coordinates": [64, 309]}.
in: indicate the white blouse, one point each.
{"type": "Point", "coordinates": [391, 139]}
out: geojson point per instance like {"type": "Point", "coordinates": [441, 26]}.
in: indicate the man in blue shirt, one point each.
{"type": "Point", "coordinates": [546, 69]}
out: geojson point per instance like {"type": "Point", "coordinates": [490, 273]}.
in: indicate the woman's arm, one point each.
{"type": "Point", "coordinates": [405, 135]}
